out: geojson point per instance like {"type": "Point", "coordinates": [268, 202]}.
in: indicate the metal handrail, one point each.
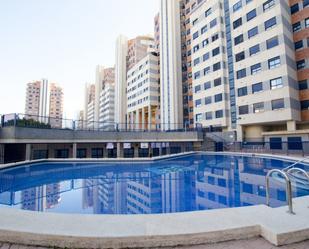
{"type": "Point", "coordinates": [288, 188]}
{"type": "Point", "coordinates": [294, 164]}
{"type": "Point", "coordinates": [305, 173]}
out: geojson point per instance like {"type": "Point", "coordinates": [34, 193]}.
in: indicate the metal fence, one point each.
{"type": "Point", "coordinates": [42, 122]}
{"type": "Point", "coordinates": [286, 148]}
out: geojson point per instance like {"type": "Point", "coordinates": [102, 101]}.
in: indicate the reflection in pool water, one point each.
{"type": "Point", "coordinates": [190, 183]}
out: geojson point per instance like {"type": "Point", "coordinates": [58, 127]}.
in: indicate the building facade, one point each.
{"type": "Point", "coordinates": [55, 106]}
{"type": "Point", "coordinates": [143, 93]}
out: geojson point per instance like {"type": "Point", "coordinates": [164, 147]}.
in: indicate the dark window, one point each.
{"type": "Point", "coordinates": [272, 42]}
{"type": "Point", "coordinates": [295, 143]}
{"type": "Point", "coordinates": [237, 23]}
{"type": "Point", "coordinates": [207, 85]}
{"type": "Point", "coordinates": [239, 39]}
{"type": "Point", "coordinates": [254, 50]}
{"type": "Point", "coordinates": [208, 115]}
{"type": "Point", "coordinates": [243, 110]}
{"type": "Point", "coordinates": [301, 64]}
{"type": "Point", "coordinates": [216, 66]}
{"type": "Point", "coordinates": [208, 100]}
{"type": "Point", "coordinates": [275, 143]}
{"type": "Point", "coordinates": [219, 114]}
{"type": "Point", "coordinates": [241, 73]}
{"type": "Point", "coordinates": [253, 32]}
{"type": "Point", "coordinates": [258, 87]}
{"type": "Point", "coordinates": [218, 97]}
{"type": "Point", "coordinates": [268, 4]}
{"type": "Point", "coordinates": [277, 104]}
{"type": "Point", "coordinates": [242, 91]}
{"type": "Point", "coordinates": [270, 23]}
{"type": "Point", "coordinates": [215, 51]}
{"type": "Point", "coordinates": [240, 56]}
{"type": "Point", "coordinates": [97, 153]}
{"type": "Point", "coordinates": [298, 44]}
{"type": "Point", "coordinates": [303, 85]}
{"type": "Point", "coordinates": [81, 153]}
{"type": "Point", "coordinates": [294, 8]}
{"type": "Point", "coordinates": [304, 105]}
{"type": "Point", "coordinates": [217, 82]}
{"type": "Point", "coordinates": [256, 68]}
{"type": "Point", "coordinates": [251, 15]}
{"type": "Point", "coordinates": [296, 26]}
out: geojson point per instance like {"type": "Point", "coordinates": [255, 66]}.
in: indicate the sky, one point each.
{"type": "Point", "coordinates": [63, 41]}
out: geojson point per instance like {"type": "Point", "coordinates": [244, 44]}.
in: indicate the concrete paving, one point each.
{"type": "Point", "coordinates": [255, 243]}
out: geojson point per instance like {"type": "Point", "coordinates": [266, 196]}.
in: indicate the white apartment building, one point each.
{"type": "Point", "coordinates": [143, 93]}
{"type": "Point", "coordinates": [243, 66]}
{"type": "Point", "coordinates": [55, 106]}
{"type": "Point", "coordinates": [171, 65]}
{"type": "Point", "coordinates": [107, 107]}
{"type": "Point", "coordinates": [121, 80]}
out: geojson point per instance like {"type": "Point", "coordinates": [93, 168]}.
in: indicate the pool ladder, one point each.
{"type": "Point", "coordinates": [286, 173]}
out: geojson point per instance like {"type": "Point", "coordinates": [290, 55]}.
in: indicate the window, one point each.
{"type": "Point", "coordinates": [198, 117]}
{"type": "Point", "coordinates": [275, 143]}
{"type": "Point", "coordinates": [81, 153]}
{"type": "Point", "coordinates": [216, 66]}
{"type": "Point", "coordinates": [251, 15]}
{"type": "Point", "coordinates": [305, 3]}
{"type": "Point", "coordinates": [270, 23]}
{"type": "Point", "coordinates": [196, 61]}
{"type": "Point", "coordinates": [253, 32]}
{"type": "Point", "coordinates": [206, 57]}
{"type": "Point", "coordinates": [272, 42]}
{"type": "Point", "coordinates": [243, 110]}
{"type": "Point", "coordinates": [294, 8]}
{"type": "Point", "coordinates": [197, 75]}
{"type": "Point", "coordinates": [237, 23]}
{"type": "Point", "coordinates": [276, 83]}
{"type": "Point", "coordinates": [306, 22]}
{"type": "Point", "coordinates": [208, 115]}
{"type": "Point", "coordinates": [239, 39]}
{"type": "Point", "coordinates": [242, 91]}
{"type": "Point", "coordinates": [216, 51]}
{"type": "Point", "coordinates": [197, 89]}
{"type": "Point", "coordinates": [196, 48]}
{"type": "Point", "coordinates": [277, 104]}
{"type": "Point", "coordinates": [240, 56]}
{"type": "Point", "coordinates": [215, 37]}
{"type": "Point", "coordinates": [274, 62]}
{"type": "Point", "coordinates": [213, 23]}
{"type": "Point", "coordinates": [97, 153]}
{"type": "Point", "coordinates": [219, 114]}
{"type": "Point", "coordinates": [237, 6]}
{"type": "Point", "coordinates": [208, 100]}
{"type": "Point", "coordinates": [218, 97]}
{"type": "Point", "coordinates": [301, 64]}
{"type": "Point", "coordinates": [295, 143]}
{"type": "Point", "coordinates": [241, 73]}
{"type": "Point", "coordinates": [304, 105]}
{"type": "Point", "coordinates": [254, 50]}
{"type": "Point", "coordinates": [204, 29]}
{"type": "Point", "coordinates": [257, 87]}
{"type": "Point", "coordinates": [303, 85]}
{"type": "Point", "coordinates": [195, 35]}
{"type": "Point", "coordinates": [296, 26]}
{"type": "Point", "coordinates": [268, 4]}
{"type": "Point", "coordinates": [256, 68]}
{"type": "Point", "coordinates": [208, 12]}
{"type": "Point", "coordinates": [299, 45]}
{"type": "Point", "coordinates": [258, 107]}
{"type": "Point", "coordinates": [207, 85]}
{"type": "Point", "coordinates": [205, 42]}
{"type": "Point", "coordinates": [217, 82]}
{"type": "Point", "coordinates": [206, 70]}
{"type": "Point", "coordinates": [198, 103]}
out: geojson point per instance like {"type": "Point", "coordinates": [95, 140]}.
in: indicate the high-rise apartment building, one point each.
{"type": "Point", "coordinates": [143, 93]}
{"type": "Point", "coordinates": [89, 105]}
{"type": "Point", "coordinates": [55, 106]}
{"type": "Point", "coordinates": [128, 53]}
{"type": "Point", "coordinates": [107, 100]}
{"type": "Point", "coordinates": [43, 101]}
{"type": "Point", "coordinates": [171, 65]}
{"type": "Point", "coordinates": [239, 64]}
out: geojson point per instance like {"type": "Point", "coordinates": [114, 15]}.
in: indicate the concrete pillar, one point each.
{"type": "Point", "coordinates": [136, 151]}
{"type": "Point", "coordinates": [1, 153]}
{"type": "Point", "coordinates": [119, 150]}
{"type": "Point", "coordinates": [28, 152]}
{"type": "Point", "coordinates": [137, 120]}
{"type": "Point", "coordinates": [149, 118]}
{"type": "Point", "coordinates": [240, 133]}
{"type": "Point", "coordinates": [74, 150]}
{"type": "Point", "coordinates": [143, 118]}
{"type": "Point", "coordinates": [291, 125]}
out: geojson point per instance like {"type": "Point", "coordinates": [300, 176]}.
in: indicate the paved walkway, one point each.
{"type": "Point", "coordinates": [257, 243]}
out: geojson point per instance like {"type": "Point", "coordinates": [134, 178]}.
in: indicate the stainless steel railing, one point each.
{"type": "Point", "coordinates": [288, 188]}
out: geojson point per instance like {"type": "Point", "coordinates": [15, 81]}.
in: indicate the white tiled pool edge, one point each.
{"type": "Point", "coordinates": [117, 231]}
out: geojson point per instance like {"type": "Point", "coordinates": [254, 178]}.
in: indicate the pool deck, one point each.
{"type": "Point", "coordinates": [157, 230]}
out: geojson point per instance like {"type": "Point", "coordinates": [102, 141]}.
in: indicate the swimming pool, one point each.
{"type": "Point", "coordinates": [182, 184]}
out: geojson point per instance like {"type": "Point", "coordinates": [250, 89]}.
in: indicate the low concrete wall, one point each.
{"type": "Point", "coordinates": [31, 135]}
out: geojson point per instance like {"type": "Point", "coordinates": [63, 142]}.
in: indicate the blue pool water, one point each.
{"type": "Point", "coordinates": [190, 183]}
